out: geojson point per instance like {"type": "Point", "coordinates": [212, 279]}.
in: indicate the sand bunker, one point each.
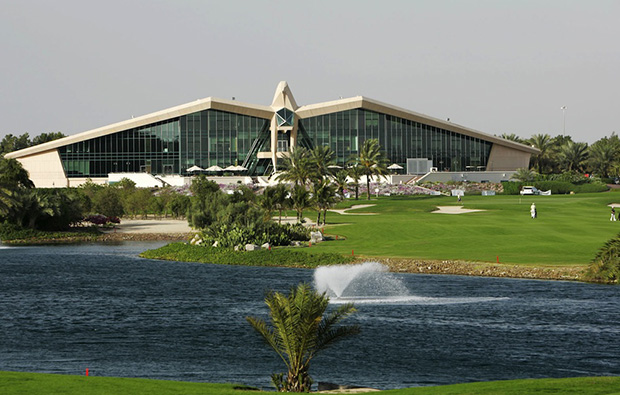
{"type": "Point", "coordinates": [453, 210]}
{"type": "Point", "coordinates": [346, 210]}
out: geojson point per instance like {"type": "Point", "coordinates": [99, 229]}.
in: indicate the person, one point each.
{"type": "Point", "coordinates": [459, 198]}
{"type": "Point", "coordinates": [613, 214]}
{"type": "Point", "coordinates": [533, 210]}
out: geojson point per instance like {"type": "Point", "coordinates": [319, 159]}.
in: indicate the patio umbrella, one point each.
{"type": "Point", "coordinates": [231, 168]}
{"type": "Point", "coordinates": [214, 168]}
{"type": "Point", "coordinates": [395, 166]}
{"type": "Point", "coordinates": [194, 168]}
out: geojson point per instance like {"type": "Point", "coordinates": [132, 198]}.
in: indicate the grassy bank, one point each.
{"type": "Point", "coordinates": [12, 383]}
{"type": "Point", "coordinates": [284, 257]}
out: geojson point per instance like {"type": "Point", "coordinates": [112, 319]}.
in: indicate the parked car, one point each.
{"type": "Point", "coordinates": [529, 190]}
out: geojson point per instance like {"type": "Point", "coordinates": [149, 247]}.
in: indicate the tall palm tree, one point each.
{"type": "Point", "coordinates": [601, 157]}
{"type": "Point", "coordinates": [356, 172]}
{"type": "Point", "coordinates": [298, 331]}
{"type": "Point", "coordinates": [544, 144]}
{"type": "Point", "coordinates": [268, 202]}
{"type": "Point", "coordinates": [297, 167]}
{"type": "Point", "coordinates": [281, 194]}
{"type": "Point", "coordinates": [573, 156]}
{"type": "Point", "coordinates": [512, 137]}
{"type": "Point", "coordinates": [300, 200]}
{"type": "Point", "coordinates": [321, 157]}
{"type": "Point", "coordinates": [372, 161]}
{"type": "Point", "coordinates": [323, 197]}
{"type": "Point", "coordinates": [340, 179]}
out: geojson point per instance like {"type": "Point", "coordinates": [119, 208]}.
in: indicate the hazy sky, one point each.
{"type": "Point", "coordinates": [495, 66]}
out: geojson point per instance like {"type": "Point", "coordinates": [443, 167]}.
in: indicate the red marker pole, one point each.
{"type": "Point", "coordinates": [498, 259]}
{"type": "Point", "coordinates": [352, 253]}
{"type": "Point", "coordinates": [86, 372]}
{"type": "Point", "coordinates": [309, 244]}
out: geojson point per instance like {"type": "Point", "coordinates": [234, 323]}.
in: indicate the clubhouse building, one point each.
{"type": "Point", "coordinates": [248, 140]}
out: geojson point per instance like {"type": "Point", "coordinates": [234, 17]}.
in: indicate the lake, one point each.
{"type": "Point", "coordinates": [67, 308]}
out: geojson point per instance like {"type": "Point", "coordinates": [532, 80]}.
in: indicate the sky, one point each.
{"type": "Point", "coordinates": [491, 65]}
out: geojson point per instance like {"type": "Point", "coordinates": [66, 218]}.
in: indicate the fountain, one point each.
{"type": "Point", "coordinates": [368, 281]}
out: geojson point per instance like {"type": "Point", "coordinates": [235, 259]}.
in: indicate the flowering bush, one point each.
{"type": "Point", "coordinates": [98, 219]}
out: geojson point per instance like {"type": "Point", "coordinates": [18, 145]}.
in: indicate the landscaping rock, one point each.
{"type": "Point", "coordinates": [316, 237]}
{"type": "Point", "coordinates": [266, 246]}
{"type": "Point", "coordinates": [216, 243]}
{"type": "Point", "coordinates": [252, 247]}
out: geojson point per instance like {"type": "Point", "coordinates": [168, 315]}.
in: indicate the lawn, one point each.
{"type": "Point", "coordinates": [39, 383]}
{"type": "Point", "coordinates": [568, 231]}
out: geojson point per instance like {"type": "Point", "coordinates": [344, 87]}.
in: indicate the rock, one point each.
{"type": "Point", "coordinates": [315, 237]}
{"type": "Point", "coordinates": [216, 243]}
{"type": "Point", "coordinates": [266, 246]}
{"type": "Point", "coordinates": [237, 248]}
{"type": "Point", "coordinates": [252, 247]}
{"type": "Point", "coordinates": [296, 243]}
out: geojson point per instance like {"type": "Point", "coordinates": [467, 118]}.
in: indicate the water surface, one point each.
{"type": "Point", "coordinates": [67, 308]}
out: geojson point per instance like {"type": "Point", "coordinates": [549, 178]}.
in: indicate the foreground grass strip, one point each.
{"type": "Point", "coordinates": [39, 383]}
{"type": "Point", "coordinates": [283, 257]}
{"type": "Point", "coordinates": [577, 385]}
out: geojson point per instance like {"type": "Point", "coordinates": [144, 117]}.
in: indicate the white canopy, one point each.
{"type": "Point", "coordinates": [395, 166]}
{"type": "Point", "coordinates": [214, 168]}
{"type": "Point", "coordinates": [195, 168]}
{"type": "Point", "coordinates": [235, 168]}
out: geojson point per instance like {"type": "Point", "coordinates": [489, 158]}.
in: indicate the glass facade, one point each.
{"type": "Point", "coordinates": [344, 132]}
{"type": "Point", "coordinates": [204, 138]}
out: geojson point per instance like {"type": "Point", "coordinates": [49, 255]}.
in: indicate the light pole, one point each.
{"type": "Point", "coordinates": [563, 108]}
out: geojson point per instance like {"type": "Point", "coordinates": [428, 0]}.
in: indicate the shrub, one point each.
{"type": "Point", "coordinates": [605, 267]}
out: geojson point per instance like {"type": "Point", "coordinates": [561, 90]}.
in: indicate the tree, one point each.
{"type": "Point", "coordinates": [544, 144]}
{"type": "Point", "coordinates": [300, 200]}
{"type": "Point", "coordinates": [46, 137]}
{"type": "Point", "coordinates": [324, 198]}
{"type": "Point", "coordinates": [524, 175]}
{"type": "Point", "coordinates": [603, 155]}
{"type": "Point", "coordinates": [107, 201]}
{"type": "Point", "coordinates": [372, 161]}
{"type": "Point", "coordinates": [268, 202]}
{"type": "Point", "coordinates": [298, 331]}
{"type": "Point", "coordinates": [356, 172]}
{"type": "Point", "coordinates": [13, 175]}
{"type": "Point", "coordinates": [513, 137]}
{"type": "Point", "coordinates": [281, 194]}
{"type": "Point", "coordinates": [321, 158]}
{"type": "Point", "coordinates": [12, 143]}
{"type": "Point", "coordinates": [573, 156]}
{"type": "Point", "coordinates": [297, 167]}
{"type": "Point", "coordinates": [340, 179]}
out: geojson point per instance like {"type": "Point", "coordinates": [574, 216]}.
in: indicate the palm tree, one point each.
{"type": "Point", "coordinates": [298, 331]}
{"type": "Point", "coordinates": [324, 198]}
{"type": "Point", "coordinates": [321, 158]}
{"type": "Point", "coordinates": [372, 161]}
{"type": "Point", "coordinates": [297, 166]}
{"type": "Point", "coordinates": [340, 179]}
{"type": "Point", "coordinates": [281, 194]}
{"type": "Point", "coordinates": [573, 156]}
{"type": "Point", "coordinates": [300, 200]}
{"type": "Point", "coordinates": [512, 137]}
{"type": "Point", "coordinates": [544, 144]}
{"type": "Point", "coordinates": [268, 202]}
{"type": "Point", "coordinates": [602, 156]}
{"type": "Point", "coordinates": [356, 172]}
{"type": "Point", "coordinates": [524, 175]}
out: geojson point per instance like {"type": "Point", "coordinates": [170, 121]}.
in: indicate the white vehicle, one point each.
{"type": "Point", "coordinates": [528, 190]}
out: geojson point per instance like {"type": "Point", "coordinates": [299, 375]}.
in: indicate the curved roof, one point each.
{"type": "Point", "coordinates": [283, 98]}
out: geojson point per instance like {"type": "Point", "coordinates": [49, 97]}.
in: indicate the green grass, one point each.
{"type": "Point", "coordinates": [569, 229]}
{"type": "Point", "coordinates": [283, 257]}
{"type": "Point", "coordinates": [38, 383]}
{"type": "Point", "coordinates": [579, 385]}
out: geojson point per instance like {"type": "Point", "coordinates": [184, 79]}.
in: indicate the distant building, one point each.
{"type": "Point", "coordinates": [210, 132]}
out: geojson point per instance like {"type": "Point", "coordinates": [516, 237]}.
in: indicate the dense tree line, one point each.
{"type": "Point", "coordinates": [561, 154]}
{"type": "Point", "coordinates": [12, 143]}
